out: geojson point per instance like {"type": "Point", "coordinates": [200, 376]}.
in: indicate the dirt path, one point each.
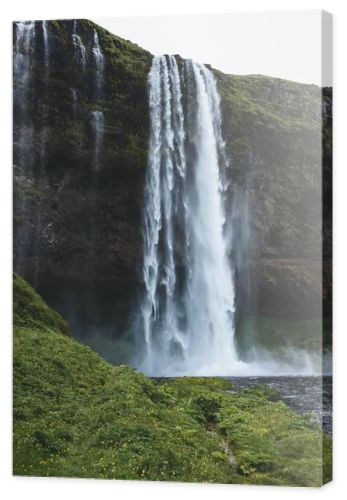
{"type": "Point", "coordinates": [225, 447]}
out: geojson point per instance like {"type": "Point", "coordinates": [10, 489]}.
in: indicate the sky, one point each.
{"type": "Point", "coordinates": [279, 44]}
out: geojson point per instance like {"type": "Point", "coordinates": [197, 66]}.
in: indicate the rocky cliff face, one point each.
{"type": "Point", "coordinates": [77, 217]}
{"type": "Point", "coordinates": [273, 129]}
{"type": "Point", "coordinates": [77, 228]}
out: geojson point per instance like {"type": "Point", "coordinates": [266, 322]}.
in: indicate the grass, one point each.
{"type": "Point", "coordinates": [75, 415]}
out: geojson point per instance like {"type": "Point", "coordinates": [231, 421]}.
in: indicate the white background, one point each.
{"type": "Point", "coordinates": [36, 488]}
{"type": "Point", "coordinates": [283, 45]}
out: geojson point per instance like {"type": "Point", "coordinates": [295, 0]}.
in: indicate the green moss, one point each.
{"type": "Point", "coordinates": [30, 310]}
{"type": "Point", "coordinates": [77, 416]}
{"type": "Point", "coordinates": [270, 100]}
{"type": "Point", "coordinates": [54, 24]}
{"type": "Point", "coordinates": [273, 445]}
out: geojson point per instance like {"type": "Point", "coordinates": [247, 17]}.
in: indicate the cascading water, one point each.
{"type": "Point", "coordinates": [45, 42]}
{"type": "Point", "coordinates": [99, 64]}
{"type": "Point", "coordinates": [45, 117]}
{"type": "Point", "coordinates": [74, 96]}
{"type": "Point", "coordinates": [23, 128]}
{"type": "Point", "coordinates": [25, 32]}
{"type": "Point", "coordinates": [25, 36]}
{"type": "Point", "coordinates": [98, 128]}
{"type": "Point", "coordinates": [97, 116]}
{"type": "Point", "coordinates": [188, 306]}
{"type": "Point", "coordinates": [80, 50]}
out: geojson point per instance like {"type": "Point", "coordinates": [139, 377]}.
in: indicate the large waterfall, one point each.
{"type": "Point", "coordinates": [188, 306]}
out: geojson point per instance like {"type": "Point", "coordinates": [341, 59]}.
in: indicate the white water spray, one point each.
{"type": "Point", "coordinates": [188, 307]}
{"type": "Point", "coordinates": [97, 116]}
{"type": "Point", "coordinates": [24, 45]}
{"type": "Point", "coordinates": [99, 64]}
{"type": "Point", "coordinates": [25, 34]}
{"type": "Point", "coordinates": [45, 42]}
{"type": "Point", "coordinates": [80, 50]}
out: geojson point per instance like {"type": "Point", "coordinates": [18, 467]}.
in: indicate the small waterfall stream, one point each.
{"type": "Point", "coordinates": [25, 36]}
{"type": "Point", "coordinates": [25, 32]}
{"type": "Point", "coordinates": [97, 119]}
{"type": "Point", "coordinates": [97, 116]}
{"type": "Point", "coordinates": [99, 64]}
{"type": "Point", "coordinates": [46, 72]}
{"type": "Point", "coordinates": [23, 129]}
{"type": "Point", "coordinates": [80, 50]}
{"type": "Point", "coordinates": [45, 42]}
{"type": "Point", "coordinates": [74, 96]}
{"type": "Point", "coordinates": [188, 306]}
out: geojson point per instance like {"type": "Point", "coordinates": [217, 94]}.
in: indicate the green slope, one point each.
{"type": "Point", "coordinates": [77, 416]}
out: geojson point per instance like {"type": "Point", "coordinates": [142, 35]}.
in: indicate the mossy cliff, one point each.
{"type": "Point", "coordinates": [74, 415]}
{"type": "Point", "coordinates": [77, 229]}
{"type": "Point", "coordinates": [275, 132]}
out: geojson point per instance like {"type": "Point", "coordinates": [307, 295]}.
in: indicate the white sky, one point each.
{"type": "Point", "coordinates": [280, 44]}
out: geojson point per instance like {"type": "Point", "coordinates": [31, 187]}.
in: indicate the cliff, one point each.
{"type": "Point", "coordinates": [78, 219]}
{"type": "Point", "coordinates": [77, 231]}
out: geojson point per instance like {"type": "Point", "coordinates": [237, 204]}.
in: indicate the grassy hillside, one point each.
{"type": "Point", "coordinates": [77, 416]}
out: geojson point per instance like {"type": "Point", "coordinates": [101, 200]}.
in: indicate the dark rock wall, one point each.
{"type": "Point", "coordinates": [77, 230]}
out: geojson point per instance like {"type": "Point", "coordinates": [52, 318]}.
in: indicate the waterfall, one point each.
{"type": "Point", "coordinates": [97, 119]}
{"type": "Point", "coordinates": [97, 116]}
{"type": "Point", "coordinates": [25, 32]}
{"type": "Point", "coordinates": [45, 43]}
{"type": "Point", "coordinates": [80, 50]}
{"type": "Point", "coordinates": [46, 73]}
{"type": "Point", "coordinates": [188, 305]}
{"type": "Point", "coordinates": [24, 45]}
{"type": "Point", "coordinates": [99, 64]}
{"type": "Point", "coordinates": [74, 96]}
{"type": "Point", "coordinates": [23, 129]}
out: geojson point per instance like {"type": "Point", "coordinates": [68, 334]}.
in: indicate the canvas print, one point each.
{"type": "Point", "coordinates": [172, 248]}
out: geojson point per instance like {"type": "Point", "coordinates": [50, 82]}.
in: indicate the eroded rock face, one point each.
{"type": "Point", "coordinates": [78, 221]}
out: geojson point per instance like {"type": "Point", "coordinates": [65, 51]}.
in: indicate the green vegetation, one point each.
{"type": "Point", "coordinates": [30, 311]}
{"type": "Point", "coordinates": [271, 101]}
{"type": "Point", "coordinates": [77, 416]}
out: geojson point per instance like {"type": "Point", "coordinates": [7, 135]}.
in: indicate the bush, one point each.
{"type": "Point", "coordinates": [209, 406]}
